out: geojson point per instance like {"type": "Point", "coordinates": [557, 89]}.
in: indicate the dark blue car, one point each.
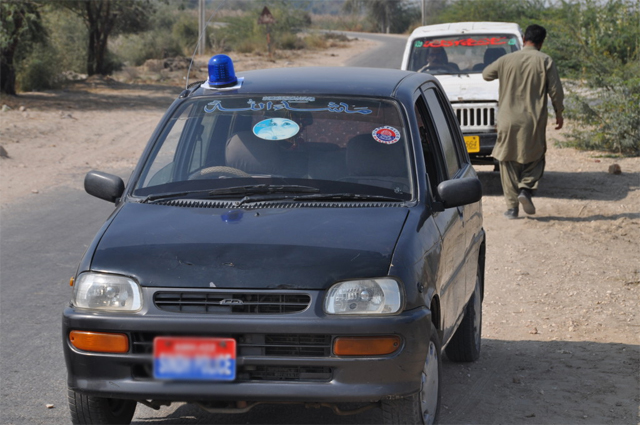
{"type": "Point", "coordinates": [307, 235]}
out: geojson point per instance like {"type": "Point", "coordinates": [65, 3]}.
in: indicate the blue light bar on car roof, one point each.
{"type": "Point", "coordinates": [221, 72]}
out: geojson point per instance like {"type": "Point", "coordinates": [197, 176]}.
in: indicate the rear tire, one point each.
{"type": "Point", "coordinates": [423, 407]}
{"type": "Point", "coordinates": [466, 343]}
{"type": "Point", "coordinates": [99, 410]}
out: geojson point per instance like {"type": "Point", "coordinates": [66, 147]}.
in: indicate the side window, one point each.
{"type": "Point", "coordinates": [444, 133]}
{"type": "Point", "coordinates": [430, 148]}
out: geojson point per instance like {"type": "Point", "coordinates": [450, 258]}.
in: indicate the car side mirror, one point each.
{"type": "Point", "coordinates": [458, 192]}
{"type": "Point", "coordinates": [103, 185]}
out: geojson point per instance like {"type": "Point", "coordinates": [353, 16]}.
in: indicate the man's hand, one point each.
{"type": "Point", "coordinates": [559, 121]}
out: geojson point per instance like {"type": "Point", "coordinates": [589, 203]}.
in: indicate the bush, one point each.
{"type": "Point", "coordinates": [185, 32]}
{"type": "Point", "coordinates": [290, 42]}
{"type": "Point", "coordinates": [68, 39]}
{"type": "Point", "coordinates": [39, 71]}
{"type": "Point", "coordinates": [606, 119]}
{"type": "Point", "coordinates": [135, 49]}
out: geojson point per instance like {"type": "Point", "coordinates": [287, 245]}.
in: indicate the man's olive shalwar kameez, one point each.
{"type": "Point", "coordinates": [526, 78]}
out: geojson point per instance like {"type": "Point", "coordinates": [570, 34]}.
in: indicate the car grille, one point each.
{"type": "Point", "coordinates": [284, 373]}
{"type": "Point", "coordinates": [228, 303]}
{"type": "Point", "coordinates": [294, 346]}
{"type": "Point", "coordinates": [476, 116]}
{"type": "Point", "coordinates": [269, 345]}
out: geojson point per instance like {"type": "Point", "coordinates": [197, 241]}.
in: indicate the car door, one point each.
{"type": "Point", "coordinates": [442, 163]}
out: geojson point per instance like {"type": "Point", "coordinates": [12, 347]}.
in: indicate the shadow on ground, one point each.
{"type": "Point", "coordinates": [99, 96]}
{"type": "Point", "coordinates": [595, 186]}
{"type": "Point", "coordinates": [516, 382]}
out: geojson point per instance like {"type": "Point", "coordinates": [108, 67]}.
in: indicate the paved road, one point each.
{"type": "Point", "coordinates": [388, 53]}
{"type": "Point", "coordinates": [41, 241]}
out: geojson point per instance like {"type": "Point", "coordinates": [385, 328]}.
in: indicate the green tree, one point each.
{"type": "Point", "coordinates": [104, 18]}
{"type": "Point", "coordinates": [20, 29]}
{"type": "Point", "coordinates": [384, 15]}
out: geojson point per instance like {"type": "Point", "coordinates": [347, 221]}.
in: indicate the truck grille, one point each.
{"type": "Point", "coordinates": [229, 303]}
{"type": "Point", "coordinates": [476, 116]}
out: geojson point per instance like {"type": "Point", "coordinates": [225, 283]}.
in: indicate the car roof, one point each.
{"type": "Point", "coordinates": [341, 81]}
{"type": "Point", "coordinates": [464, 27]}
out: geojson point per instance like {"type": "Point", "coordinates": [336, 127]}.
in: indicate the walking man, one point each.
{"type": "Point", "coordinates": [526, 78]}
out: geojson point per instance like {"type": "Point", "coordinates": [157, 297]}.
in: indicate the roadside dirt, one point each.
{"type": "Point", "coordinates": [561, 331]}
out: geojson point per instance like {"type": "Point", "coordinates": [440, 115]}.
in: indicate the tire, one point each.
{"type": "Point", "coordinates": [98, 410]}
{"type": "Point", "coordinates": [421, 408]}
{"type": "Point", "coordinates": [466, 342]}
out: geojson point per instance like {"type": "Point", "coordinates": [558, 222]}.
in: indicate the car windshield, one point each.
{"type": "Point", "coordinates": [306, 146]}
{"type": "Point", "coordinates": [459, 54]}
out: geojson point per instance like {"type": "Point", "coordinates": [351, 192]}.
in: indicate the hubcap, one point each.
{"type": "Point", "coordinates": [429, 390]}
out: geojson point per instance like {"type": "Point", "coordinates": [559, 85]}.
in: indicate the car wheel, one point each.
{"type": "Point", "coordinates": [423, 407]}
{"type": "Point", "coordinates": [99, 410]}
{"type": "Point", "coordinates": [466, 342]}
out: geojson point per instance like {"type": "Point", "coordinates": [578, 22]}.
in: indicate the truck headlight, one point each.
{"type": "Point", "coordinates": [107, 292]}
{"type": "Point", "coordinates": [367, 296]}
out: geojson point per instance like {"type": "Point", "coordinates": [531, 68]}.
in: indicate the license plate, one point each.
{"type": "Point", "coordinates": [199, 359]}
{"type": "Point", "coordinates": [473, 143]}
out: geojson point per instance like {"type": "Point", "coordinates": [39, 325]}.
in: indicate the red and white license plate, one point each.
{"type": "Point", "coordinates": [199, 359]}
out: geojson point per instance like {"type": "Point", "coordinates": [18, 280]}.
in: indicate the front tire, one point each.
{"type": "Point", "coordinates": [466, 343]}
{"type": "Point", "coordinates": [423, 407]}
{"type": "Point", "coordinates": [99, 410]}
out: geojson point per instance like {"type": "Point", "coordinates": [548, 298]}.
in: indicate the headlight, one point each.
{"type": "Point", "coordinates": [370, 296]}
{"type": "Point", "coordinates": [107, 292]}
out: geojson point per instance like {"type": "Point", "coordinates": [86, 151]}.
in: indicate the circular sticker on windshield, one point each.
{"type": "Point", "coordinates": [276, 129]}
{"type": "Point", "coordinates": [387, 135]}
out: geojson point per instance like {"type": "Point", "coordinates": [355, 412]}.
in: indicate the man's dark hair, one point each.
{"type": "Point", "coordinates": [535, 34]}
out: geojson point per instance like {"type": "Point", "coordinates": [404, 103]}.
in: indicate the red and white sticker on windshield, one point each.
{"type": "Point", "coordinates": [387, 135]}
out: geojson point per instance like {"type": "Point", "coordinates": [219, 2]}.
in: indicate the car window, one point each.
{"type": "Point", "coordinates": [430, 146]}
{"type": "Point", "coordinates": [339, 144]}
{"type": "Point", "coordinates": [464, 53]}
{"type": "Point", "coordinates": [445, 134]}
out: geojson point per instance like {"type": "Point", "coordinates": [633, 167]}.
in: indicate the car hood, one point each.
{"type": "Point", "coordinates": [305, 248]}
{"type": "Point", "coordinates": [469, 87]}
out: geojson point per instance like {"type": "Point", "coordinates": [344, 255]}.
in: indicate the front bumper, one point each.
{"type": "Point", "coordinates": [487, 143]}
{"type": "Point", "coordinates": [280, 357]}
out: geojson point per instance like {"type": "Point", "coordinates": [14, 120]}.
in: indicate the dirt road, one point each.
{"type": "Point", "coordinates": [561, 311]}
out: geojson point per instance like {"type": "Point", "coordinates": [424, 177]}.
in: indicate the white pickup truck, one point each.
{"type": "Point", "coordinates": [456, 53]}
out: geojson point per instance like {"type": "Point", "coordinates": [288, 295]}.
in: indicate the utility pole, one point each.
{"type": "Point", "coordinates": [424, 12]}
{"type": "Point", "coordinates": [202, 31]}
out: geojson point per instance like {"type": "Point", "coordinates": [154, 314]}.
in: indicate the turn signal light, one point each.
{"type": "Point", "coordinates": [99, 342]}
{"type": "Point", "coordinates": [366, 346]}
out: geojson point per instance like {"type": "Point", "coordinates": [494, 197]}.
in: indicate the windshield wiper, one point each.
{"type": "Point", "coordinates": [170, 195]}
{"type": "Point", "coordinates": [263, 189]}
{"type": "Point", "coordinates": [317, 197]}
{"type": "Point", "coordinates": [346, 197]}
{"type": "Point", "coordinates": [233, 191]}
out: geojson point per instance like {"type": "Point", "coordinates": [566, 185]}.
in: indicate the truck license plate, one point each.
{"type": "Point", "coordinates": [201, 359]}
{"type": "Point", "coordinates": [473, 143]}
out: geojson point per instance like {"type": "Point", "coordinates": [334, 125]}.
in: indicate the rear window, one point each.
{"type": "Point", "coordinates": [357, 144]}
{"type": "Point", "coordinates": [459, 54]}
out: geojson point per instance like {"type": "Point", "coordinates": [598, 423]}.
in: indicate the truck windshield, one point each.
{"type": "Point", "coordinates": [326, 145]}
{"type": "Point", "coordinates": [459, 54]}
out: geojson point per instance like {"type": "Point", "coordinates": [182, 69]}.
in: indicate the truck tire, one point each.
{"type": "Point", "coordinates": [466, 342]}
{"type": "Point", "coordinates": [91, 410]}
{"type": "Point", "coordinates": [423, 407]}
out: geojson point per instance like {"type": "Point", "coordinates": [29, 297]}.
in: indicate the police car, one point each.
{"type": "Point", "coordinates": [308, 235]}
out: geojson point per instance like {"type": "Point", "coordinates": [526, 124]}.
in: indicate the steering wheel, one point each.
{"type": "Point", "coordinates": [440, 67]}
{"type": "Point", "coordinates": [220, 171]}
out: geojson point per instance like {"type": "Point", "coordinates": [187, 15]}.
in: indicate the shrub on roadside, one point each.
{"type": "Point", "coordinates": [40, 70]}
{"type": "Point", "coordinates": [607, 119]}
{"type": "Point", "coordinates": [135, 49]}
